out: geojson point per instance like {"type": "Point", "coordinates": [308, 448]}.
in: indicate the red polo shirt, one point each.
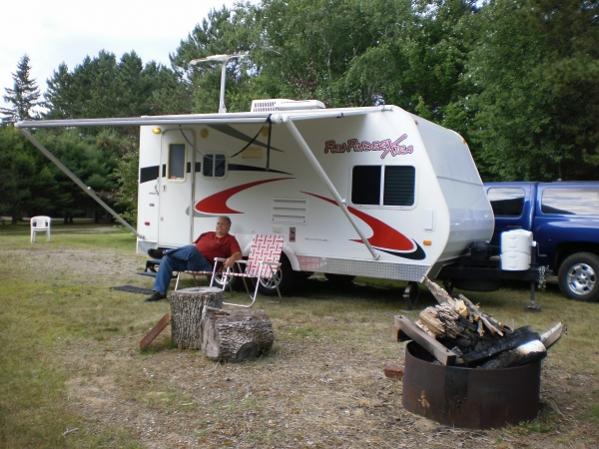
{"type": "Point", "coordinates": [212, 246]}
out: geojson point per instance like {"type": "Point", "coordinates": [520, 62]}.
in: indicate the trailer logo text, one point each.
{"type": "Point", "coordinates": [384, 146]}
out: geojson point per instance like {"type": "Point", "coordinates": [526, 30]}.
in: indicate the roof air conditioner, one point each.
{"type": "Point", "coordinates": [282, 104]}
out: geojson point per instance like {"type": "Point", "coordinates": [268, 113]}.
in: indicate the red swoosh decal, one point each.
{"type": "Point", "coordinates": [383, 235]}
{"type": "Point", "coordinates": [217, 203]}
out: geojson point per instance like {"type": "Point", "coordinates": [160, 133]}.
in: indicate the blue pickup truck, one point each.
{"type": "Point", "coordinates": [564, 220]}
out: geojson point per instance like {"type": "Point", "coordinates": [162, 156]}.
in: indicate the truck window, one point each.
{"type": "Point", "coordinates": [214, 165]}
{"type": "Point", "coordinates": [176, 161]}
{"type": "Point", "coordinates": [397, 187]}
{"type": "Point", "coordinates": [506, 200]}
{"type": "Point", "coordinates": [571, 201]}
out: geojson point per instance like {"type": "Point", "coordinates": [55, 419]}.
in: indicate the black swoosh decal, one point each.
{"type": "Point", "coordinates": [417, 254]}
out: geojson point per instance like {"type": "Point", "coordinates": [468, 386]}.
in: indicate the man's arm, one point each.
{"type": "Point", "coordinates": [235, 250]}
{"type": "Point", "coordinates": [230, 261]}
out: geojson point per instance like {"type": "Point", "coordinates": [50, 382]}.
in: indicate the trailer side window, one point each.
{"type": "Point", "coordinates": [176, 161]}
{"type": "Point", "coordinates": [506, 200]}
{"type": "Point", "coordinates": [214, 165]}
{"type": "Point", "coordinates": [366, 184]}
{"type": "Point", "coordinates": [399, 185]}
{"type": "Point", "coordinates": [571, 201]}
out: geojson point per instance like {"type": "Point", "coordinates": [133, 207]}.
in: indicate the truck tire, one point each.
{"type": "Point", "coordinates": [579, 277]}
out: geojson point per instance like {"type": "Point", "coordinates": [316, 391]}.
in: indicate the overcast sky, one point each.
{"type": "Point", "coordinates": [56, 31]}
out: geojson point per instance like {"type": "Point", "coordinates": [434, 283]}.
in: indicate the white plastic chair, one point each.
{"type": "Point", "coordinates": [40, 223]}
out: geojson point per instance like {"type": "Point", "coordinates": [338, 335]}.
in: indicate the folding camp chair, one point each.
{"type": "Point", "coordinates": [215, 276]}
{"type": "Point", "coordinates": [262, 265]}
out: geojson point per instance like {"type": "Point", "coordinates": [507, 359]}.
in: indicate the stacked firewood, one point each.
{"type": "Point", "coordinates": [457, 332]}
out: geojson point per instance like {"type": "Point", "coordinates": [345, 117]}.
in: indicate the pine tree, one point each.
{"type": "Point", "coordinates": [23, 97]}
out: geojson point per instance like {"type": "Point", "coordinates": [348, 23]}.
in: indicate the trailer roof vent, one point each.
{"type": "Point", "coordinates": [283, 104]}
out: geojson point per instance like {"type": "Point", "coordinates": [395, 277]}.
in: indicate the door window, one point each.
{"type": "Point", "coordinates": [176, 161]}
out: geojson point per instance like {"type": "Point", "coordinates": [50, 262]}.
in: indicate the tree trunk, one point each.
{"type": "Point", "coordinates": [187, 309]}
{"type": "Point", "coordinates": [236, 335]}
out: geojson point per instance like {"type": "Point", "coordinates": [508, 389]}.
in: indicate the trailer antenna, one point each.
{"type": "Point", "coordinates": [224, 59]}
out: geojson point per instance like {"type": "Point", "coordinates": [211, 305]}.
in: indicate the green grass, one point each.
{"type": "Point", "coordinates": [71, 375]}
{"type": "Point", "coordinates": [39, 318]}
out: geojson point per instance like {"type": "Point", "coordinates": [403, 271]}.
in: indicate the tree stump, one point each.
{"type": "Point", "coordinates": [188, 305]}
{"type": "Point", "coordinates": [236, 335]}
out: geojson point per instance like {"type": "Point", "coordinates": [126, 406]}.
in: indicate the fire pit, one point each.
{"type": "Point", "coordinates": [465, 368]}
{"type": "Point", "coordinates": [469, 397]}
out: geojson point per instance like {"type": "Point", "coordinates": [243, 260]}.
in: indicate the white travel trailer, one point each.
{"type": "Point", "coordinates": [373, 191]}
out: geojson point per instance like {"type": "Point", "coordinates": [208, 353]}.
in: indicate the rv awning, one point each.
{"type": "Point", "coordinates": [199, 119]}
{"type": "Point", "coordinates": [285, 118]}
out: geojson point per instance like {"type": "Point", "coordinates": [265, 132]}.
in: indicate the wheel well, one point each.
{"type": "Point", "coordinates": [291, 257]}
{"type": "Point", "coordinates": [567, 249]}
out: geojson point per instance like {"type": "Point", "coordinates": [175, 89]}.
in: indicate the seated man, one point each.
{"type": "Point", "coordinates": [197, 257]}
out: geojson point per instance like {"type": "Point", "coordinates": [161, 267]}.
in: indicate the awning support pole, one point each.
{"type": "Point", "coordinates": [323, 175]}
{"type": "Point", "coordinates": [36, 143]}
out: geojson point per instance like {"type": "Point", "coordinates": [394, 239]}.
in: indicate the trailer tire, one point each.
{"type": "Point", "coordinates": [286, 279]}
{"type": "Point", "coordinates": [578, 277]}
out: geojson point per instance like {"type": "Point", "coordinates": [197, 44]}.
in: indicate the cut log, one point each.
{"type": "Point", "coordinates": [187, 308]}
{"type": "Point", "coordinates": [406, 330]}
{"type": "Point", "coordinates": [235, 335]}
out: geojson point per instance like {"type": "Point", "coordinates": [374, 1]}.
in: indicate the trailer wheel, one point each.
{"type": "Point", "coordinates": [578, 277]}
{"type": "Point", "coordinates": [220, 282]}
{"type": "Point", "coordinates": [285, 278]}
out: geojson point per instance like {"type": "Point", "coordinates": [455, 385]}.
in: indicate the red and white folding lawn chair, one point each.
{"type": "Point", "coordinates": [262, 265]}
{"type": "Point", "coordinates": [215, 275]}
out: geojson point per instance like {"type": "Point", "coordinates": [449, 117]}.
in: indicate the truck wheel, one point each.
{"type": "Point", "coordinates": [578, 277]}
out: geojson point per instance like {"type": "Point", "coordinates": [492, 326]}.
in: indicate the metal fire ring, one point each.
{"type": "Point", "coordinates": [469, 397]}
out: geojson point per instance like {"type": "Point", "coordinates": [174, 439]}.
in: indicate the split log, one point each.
{"type": "Point", "coordinates": [553, 334]}
{"type": "Point", "coordinates": [449, 308]}
{"type": "Point", "coordinates": [406, 330]}
{"type": "Point", "coordinates": [187, 308]}
{"type": "Point", "coordinates": [158, 327]}
{"type": "Point", "coordinates": [488, 348]}
{"type": "Point", "coordinates": [235, 335]}
{"type": "Point", "coordinates": [438, 292]}
{"type": "Point", "coordinates": [528, 352]}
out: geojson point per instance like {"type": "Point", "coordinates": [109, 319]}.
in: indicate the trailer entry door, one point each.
{"type": "Point", "coordinates": [175, 227]}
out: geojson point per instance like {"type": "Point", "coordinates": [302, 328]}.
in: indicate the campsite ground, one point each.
{"type": "Point", "coordinates": [72, 376]}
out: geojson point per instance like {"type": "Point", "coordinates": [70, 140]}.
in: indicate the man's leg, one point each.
{"type": "Point", "coordinates": [169, 263]}
{"type": "Point", "coordinates": [197, 261]}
